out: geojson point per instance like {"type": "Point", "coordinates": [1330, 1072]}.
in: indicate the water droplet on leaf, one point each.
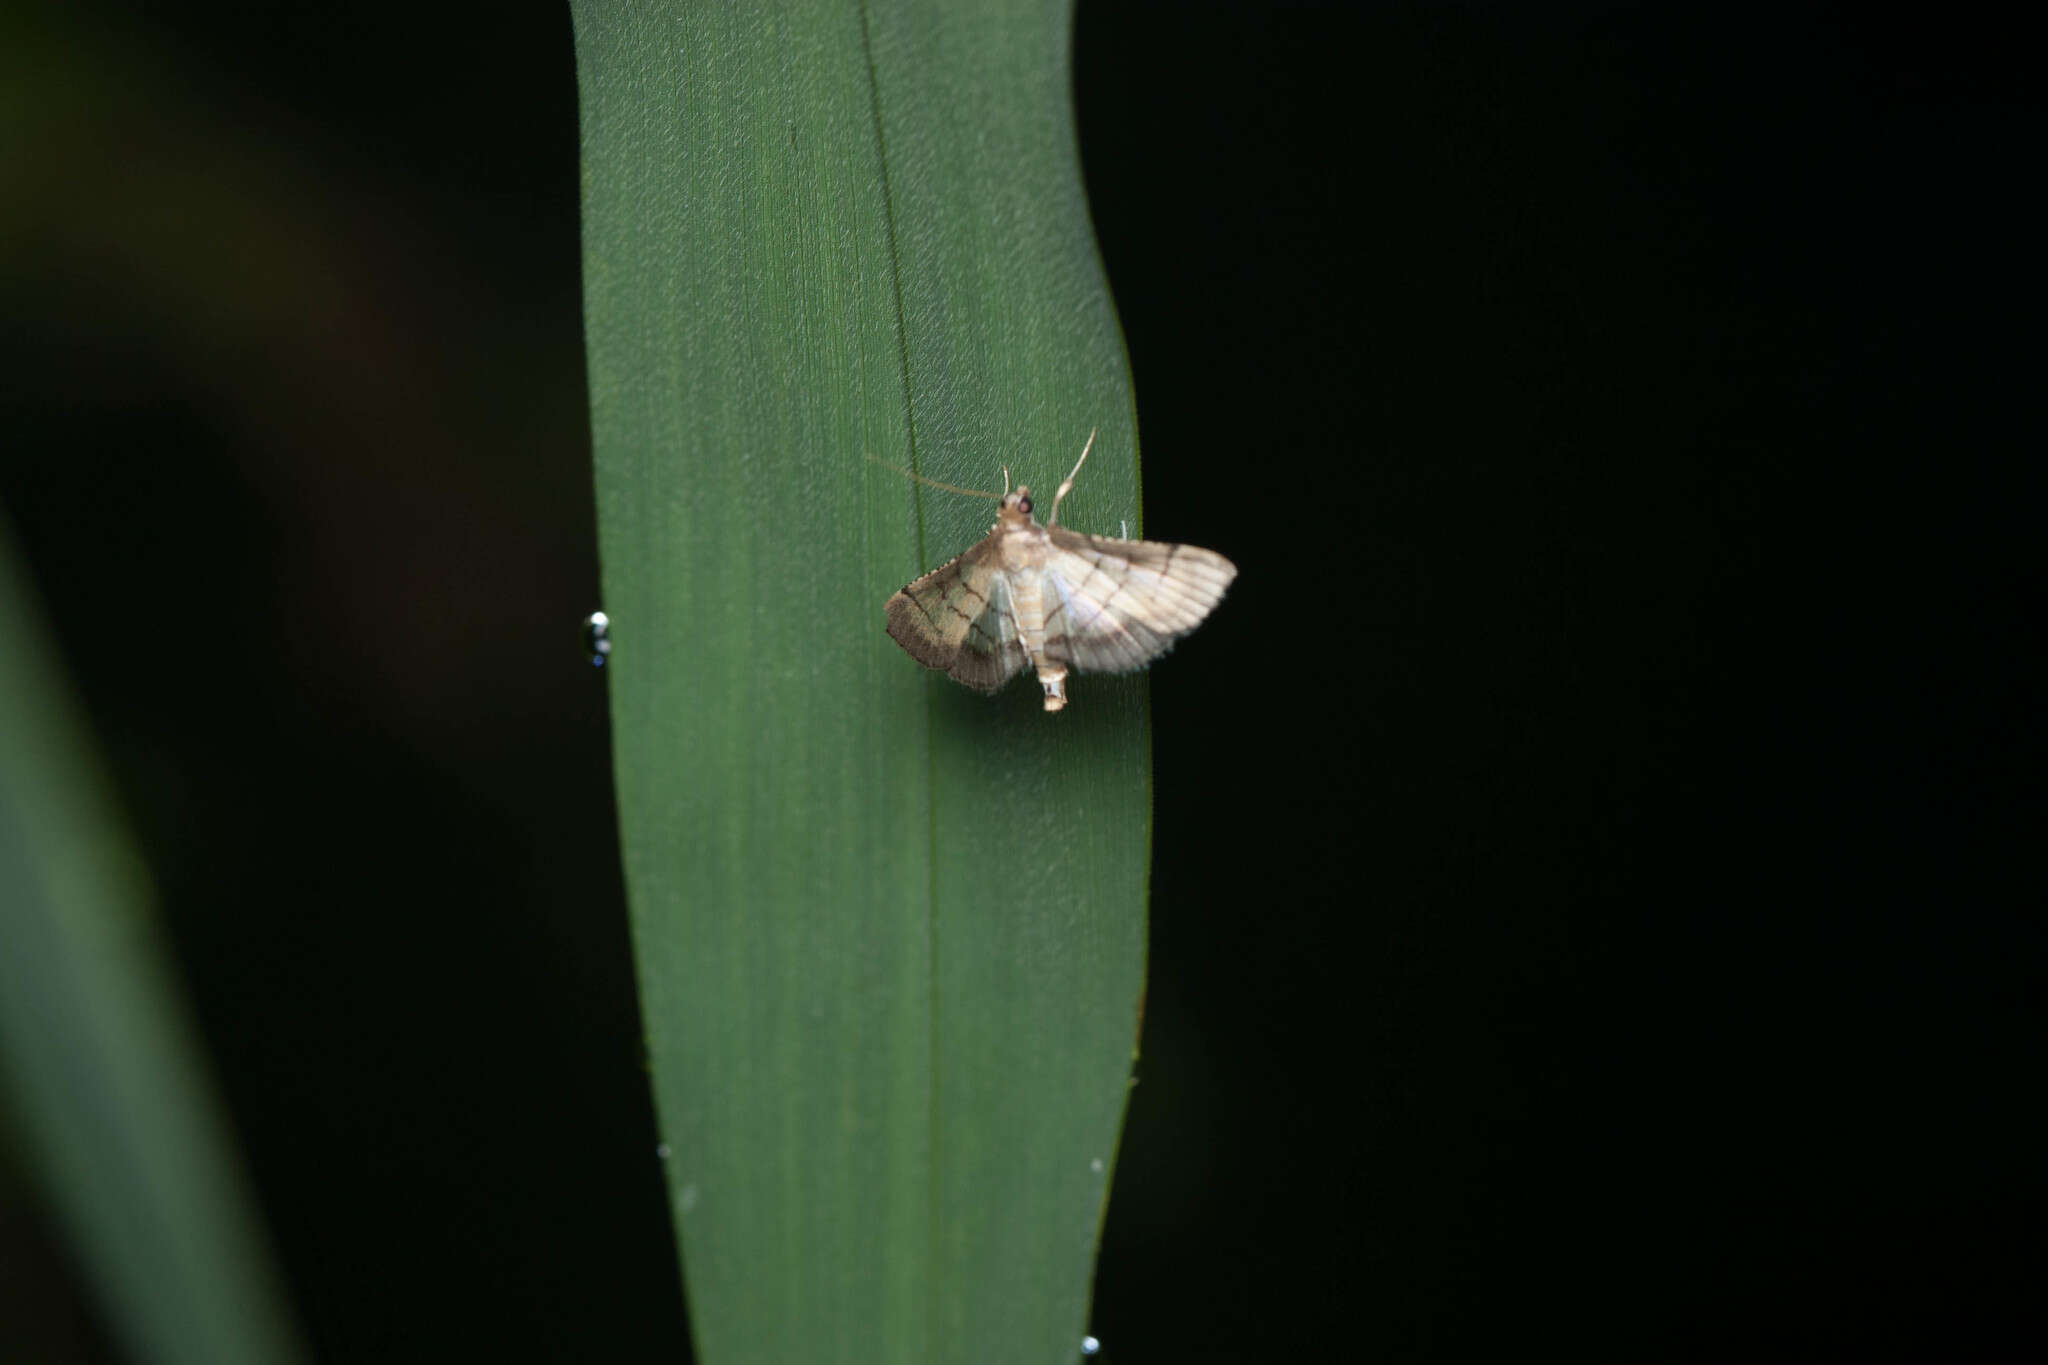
{"type": "Point", "coordinates": [597, 638]}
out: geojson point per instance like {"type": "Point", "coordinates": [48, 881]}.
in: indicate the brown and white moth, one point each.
{"type": "Point", "coordinates": [1051, 599]}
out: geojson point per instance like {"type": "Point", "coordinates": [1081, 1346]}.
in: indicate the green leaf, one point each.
{"type": "Point", "coordinates": [96, 1054]}
{"type": "Point", "coordinates": [890, 933]}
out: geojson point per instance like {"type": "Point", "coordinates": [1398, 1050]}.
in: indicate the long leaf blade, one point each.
{"type": "Point", "coordinates": [96, 1051]}
{"type": "Point", "coordinates": [890, 934]}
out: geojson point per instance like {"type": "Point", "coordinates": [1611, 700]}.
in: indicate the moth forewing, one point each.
{"type": "Point", "coordinates": [1166, 587]}
{"type": "Point", "coordinates": [1050, 598]}
{"type": "Point", "coordinates": [957, 618]}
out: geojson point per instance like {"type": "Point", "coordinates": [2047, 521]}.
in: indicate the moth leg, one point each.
{"type": "Point", "coordinates": [1067, 486]}
{"type": "Point", "coordinates": [1053, 678]}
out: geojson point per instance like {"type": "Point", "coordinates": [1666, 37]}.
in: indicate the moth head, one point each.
{"type": "Point", "coordinates": [1017, 504]}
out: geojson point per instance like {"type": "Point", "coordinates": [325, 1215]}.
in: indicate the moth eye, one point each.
{"type": "Point", "coordinates": [1024, 506]}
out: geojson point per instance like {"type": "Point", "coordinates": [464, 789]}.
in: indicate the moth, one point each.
{"type": "Point", "coordinates": [1050, 599]}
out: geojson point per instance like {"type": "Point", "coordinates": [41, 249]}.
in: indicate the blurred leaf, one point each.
{"type": "Point", "coordinates": [890, 932]}
{"type": "Point", "coordinates": [96, 1054]}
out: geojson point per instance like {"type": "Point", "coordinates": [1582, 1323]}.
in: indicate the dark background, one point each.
{"type": "Point", "coordinates": [1627, 420]}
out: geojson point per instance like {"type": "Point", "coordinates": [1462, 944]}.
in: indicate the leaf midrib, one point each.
{"type": "Point", "coordinates": [931, 862]}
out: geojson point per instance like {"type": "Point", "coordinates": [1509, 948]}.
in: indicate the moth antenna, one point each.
{"type": "Point", "coordinates": [915, 477]}
{"type": "Point", "coordinates": [1067, 484]}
